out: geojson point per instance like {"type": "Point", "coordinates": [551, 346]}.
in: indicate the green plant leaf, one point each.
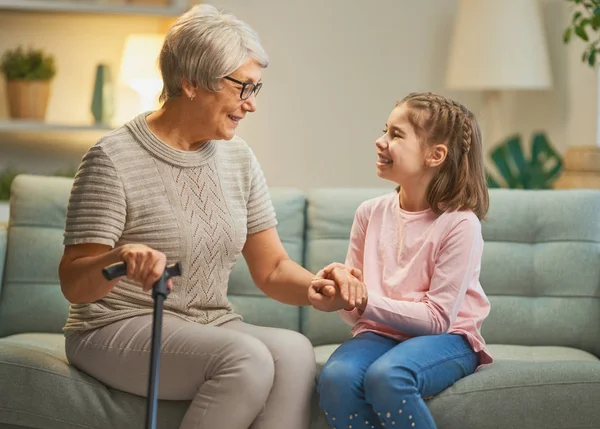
{"type": "Point", "coordinates": [592, 58]}
{"type": "Point", "coordinates": [29, 65]}
{"type": "Point", "coordinates": [596, 20]}
{"type": "Point", "coordinates": [491, 182]}
{"type": "Point", "coordinates": [537, 173]}
{"type": "Point", "coordinates": [546, 162]}
{"type": "Point", "coordinates": [584, 57]}
{"type": "Point", "coordinates": [576, 16]}
{"type": "Point", "coordinates": [580, 31]}
{"type": "Point", "coordinates": [518, 158]}
{"type": "Point", "coordinates": [567, 35]}
{"type": "Point", "coordinates": [501, 157]}
{"type": "Point", "coordinates": [6, 178]}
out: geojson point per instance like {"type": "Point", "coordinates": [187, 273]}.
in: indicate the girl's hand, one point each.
{"type": "Point", "coordinates": [144, 265]}
{"type": "Point", "coordinates": [350, 285]}
{"type": "Point", "coordinates": [352, 289]}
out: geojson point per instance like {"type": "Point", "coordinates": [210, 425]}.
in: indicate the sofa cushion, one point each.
{"type": "Point", "coordinates": [527, 387]}
{"type": "Point", "coordinates": [523, 394]}
{"type": "Point", "coordinates": [40, 389]}
{"type": "Point", "coordinates": [540, 353]}
{"type": "Point", "coordinates": [500, 352]}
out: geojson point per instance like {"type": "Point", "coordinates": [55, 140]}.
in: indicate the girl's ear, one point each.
{"type": "Point", "coordinates": [436, 155]}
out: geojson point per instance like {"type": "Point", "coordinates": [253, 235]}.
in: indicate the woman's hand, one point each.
{"type": "Point", "coordinates": [323, 302]}
{"type": "Point", "coordinates": [347, 280]}
{"type": "Point", "coordinates": [144, 265]}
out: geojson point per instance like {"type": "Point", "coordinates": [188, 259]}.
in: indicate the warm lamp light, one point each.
{"type": "Point", "coordinates": [139, 67]}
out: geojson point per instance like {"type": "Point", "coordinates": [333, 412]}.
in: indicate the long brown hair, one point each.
{"type": "Point", "coordinates": [460, 182]}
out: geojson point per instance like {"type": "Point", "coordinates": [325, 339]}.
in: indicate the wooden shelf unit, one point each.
{"type": "Point", "coordinates": [94, 7]}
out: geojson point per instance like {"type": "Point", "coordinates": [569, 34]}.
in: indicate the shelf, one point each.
{"type": "Point", "coordinates": [13, 131]}
{"type": "Point", "coordinates": [28, 126]}
{"type": "Point", "coordinates": [93, 7]}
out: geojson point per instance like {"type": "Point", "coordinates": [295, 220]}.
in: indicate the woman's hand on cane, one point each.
{"type": "Point", "coordinates": [144, 265]}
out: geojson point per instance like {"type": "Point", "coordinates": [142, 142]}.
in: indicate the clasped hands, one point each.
{"type": "Point", "coordinates": [338, 287]}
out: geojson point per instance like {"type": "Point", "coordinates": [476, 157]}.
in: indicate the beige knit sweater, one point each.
{"type": "Point", "coordinates": [196, 207]}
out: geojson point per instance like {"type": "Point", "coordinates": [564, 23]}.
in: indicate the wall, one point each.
{"type": "Point", "coordinates": [337, 67]}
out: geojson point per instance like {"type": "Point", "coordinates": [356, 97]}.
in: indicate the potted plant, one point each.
{"type": "Point", "coordinates": [516, 171]}
{"type": "Point", "coordinates": [586, 20]}
{"type": "Point", "coordinates": [6, 177]}
{"type": "Point", "coordinates": [582, 162]}
{"type": "Point", "coordinates": [28, 74]}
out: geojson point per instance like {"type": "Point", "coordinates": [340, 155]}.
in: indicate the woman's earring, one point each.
{"type": "Point", "coordinates": [192, 97]}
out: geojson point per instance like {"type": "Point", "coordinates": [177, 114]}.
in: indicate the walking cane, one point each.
{"type": "Point", "coordinates": [159, 294]}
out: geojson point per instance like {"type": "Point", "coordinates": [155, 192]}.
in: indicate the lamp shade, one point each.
{"type": "Point", "coordinates": [498, 45]}
{"type": "Point", "coordinates": [140, 55]}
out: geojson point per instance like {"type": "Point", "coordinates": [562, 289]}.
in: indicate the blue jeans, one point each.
{"type": "Point", "coordinates": [373, 381]}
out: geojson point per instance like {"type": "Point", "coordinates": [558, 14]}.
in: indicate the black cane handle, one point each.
{"type": "Point", "coordinates": [119, 269]}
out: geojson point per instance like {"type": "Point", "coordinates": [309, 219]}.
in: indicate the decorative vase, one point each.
{"type": "Point", "coordinates": [103, 97]}
{"type": "Point", "coordinates": [27, 99]}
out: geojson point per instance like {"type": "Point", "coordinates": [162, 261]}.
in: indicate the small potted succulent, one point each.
{"type": "Point", "coordinates": [28, 75]}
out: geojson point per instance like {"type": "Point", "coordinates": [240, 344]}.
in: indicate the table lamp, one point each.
{"type": "Point", "coordinates": [139, 67]}
{"type": "Point", "coordinates": [498, 45]}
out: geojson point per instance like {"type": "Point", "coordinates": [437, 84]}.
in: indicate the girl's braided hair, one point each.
{"type": "Point", "coordinates": [460, 183]}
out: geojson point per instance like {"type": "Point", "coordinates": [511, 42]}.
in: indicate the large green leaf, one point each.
{"type": "Point", "coordinates": [539, 172]}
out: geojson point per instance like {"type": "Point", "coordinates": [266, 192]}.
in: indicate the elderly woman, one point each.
{"type": "Point", "coordinates": [177, 184]}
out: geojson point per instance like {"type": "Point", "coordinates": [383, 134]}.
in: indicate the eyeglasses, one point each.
{"type": "Point", "coordinates": [247, 88]}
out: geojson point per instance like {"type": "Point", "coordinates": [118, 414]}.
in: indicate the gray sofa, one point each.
{"type": "Point", "coordinates": [541, 270]}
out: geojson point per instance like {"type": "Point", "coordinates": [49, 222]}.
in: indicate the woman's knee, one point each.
{"type": "Point", "coordinates": [253, 364]}
{"type": "Point", "coordinates": [294, 352]}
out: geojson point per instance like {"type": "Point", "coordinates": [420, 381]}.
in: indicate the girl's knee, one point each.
{"type": "Point", "coordinates": [336, 376]}
{"type": "Point", "coordinates": [382, 382]}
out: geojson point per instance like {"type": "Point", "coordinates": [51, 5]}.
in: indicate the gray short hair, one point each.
{"type": "Point", "coordinates": [203, 46]}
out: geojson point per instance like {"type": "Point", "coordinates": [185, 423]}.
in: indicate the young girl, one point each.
{"type": "Point", "coordinates": [410, 283]}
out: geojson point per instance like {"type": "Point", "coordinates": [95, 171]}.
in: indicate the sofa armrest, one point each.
{"type": "Point", "coordinates": [3, 245]}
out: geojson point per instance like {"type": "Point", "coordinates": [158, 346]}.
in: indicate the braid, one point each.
{"type": "Point", "coordinates": [460, 181]}
{"type": "Point", "coordinates": [448, 119]}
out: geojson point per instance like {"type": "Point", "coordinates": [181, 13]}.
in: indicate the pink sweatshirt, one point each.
{"type": "Point", "coordinates": [421, 271]}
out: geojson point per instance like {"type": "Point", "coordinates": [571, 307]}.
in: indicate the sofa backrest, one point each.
{"type": "Point", "coordinates": [3, 243]}
{"type": "Point", "coordinates": [30, 298]}
{"type": "Point", "coordinates": [329, 219]}
{"type": "Point", "coordinates": [30, 295]}
{"type": "Point", "coordinates": [540, 266]}
{"type": "Point", "coordinates": [246, 298]}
